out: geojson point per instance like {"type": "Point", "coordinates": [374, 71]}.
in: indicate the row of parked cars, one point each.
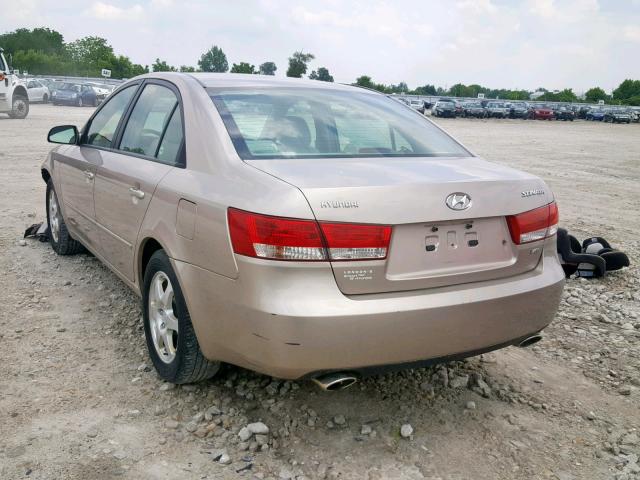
{"type": "Point", "coordinates": [483, 108]}
{"type": "Point", "coordinates": [60, 92]}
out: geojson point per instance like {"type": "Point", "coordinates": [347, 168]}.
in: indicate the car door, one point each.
{"type": "Point", "coordinates": [76, 167]}
{"type": "Point", "coordinates": [127, 177]}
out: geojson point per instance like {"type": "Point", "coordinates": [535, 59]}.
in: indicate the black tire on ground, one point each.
{"type": "Point", "coordinates": [189, 364]}
{"type": "Point", "coordinates": [65, 244]}
{"type": "Point", "coordinates": [20, 107]}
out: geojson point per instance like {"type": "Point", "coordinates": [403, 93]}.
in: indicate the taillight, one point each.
{"type": "Point", "coordinates": [534, 225]}
{"type": "Point", "coordinates": [276, 238]}
{"type": "Point", "coordinates": [347, 241]}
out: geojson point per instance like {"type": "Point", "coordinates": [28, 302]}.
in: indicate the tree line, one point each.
{"type": "Point", "coordinates": [43, 51]}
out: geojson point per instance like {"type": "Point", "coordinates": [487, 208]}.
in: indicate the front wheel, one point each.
{"type": "Point", "coordinates": [20, 107]}
{"type": "Point", "coordinates": [171, 339]}
{"type": "Point", "coordinates": [61, 240]}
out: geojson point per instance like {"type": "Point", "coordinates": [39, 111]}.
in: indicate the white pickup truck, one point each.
{"type": "Point", "coordinates": [13, 92]}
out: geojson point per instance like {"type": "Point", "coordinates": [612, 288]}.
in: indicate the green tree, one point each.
{"type": "Point", "coordinates": [268, 68]}
{"type": "Point", "coordinates": [40, 63]}
{"type": "Point", "coordinates": [626, 90]}
{"type": "Point", "coordinates": [565, 95]}
{"type": "Point", "coordinates": [593, 95]}
{"type": "Point", "coordinates": [42, 40]}
{"type": "Point", "coordinates": [186, 68]}
{"type": "Point", "coordinates": [366, 82]}
{"type": "Point", "coordinates": [162, 66]}
{"type": "Point", "coordinates": [122, 67]}
{"type": "Point", "coordinates": [322, 74]}
{"type": "Point", "coordinates": [426, 90]}
{"type": "Point", "coordinates": [243, 67]}
{"type": "Point", "coordinates": [213, 60]}
{"type": "Point", "coordinates": [91, 55]}
{"type": "Point", "coordinates": [298, 63]}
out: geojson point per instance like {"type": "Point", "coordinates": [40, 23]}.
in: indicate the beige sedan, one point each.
{"type": "Point", "coordinates": [301, 229]}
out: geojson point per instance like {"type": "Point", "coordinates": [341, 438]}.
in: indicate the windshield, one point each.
{"type": "Point", "coordinates": [70, 86]}
{"type": "Point", "coordinates": [274, 122]}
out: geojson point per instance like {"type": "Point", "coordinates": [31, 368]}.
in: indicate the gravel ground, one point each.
{"type": "Point", "coordinates": [79, 399]}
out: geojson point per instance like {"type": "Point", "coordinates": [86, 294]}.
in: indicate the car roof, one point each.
{"type": "Point", "coordinates": [222, 80]}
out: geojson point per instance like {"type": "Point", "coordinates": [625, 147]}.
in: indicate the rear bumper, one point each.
{"type": "Point", "coordinates": [277, 322]}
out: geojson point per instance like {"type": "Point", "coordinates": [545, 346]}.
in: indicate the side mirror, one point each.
{"type": "Point", "coordinates": [64, 134]}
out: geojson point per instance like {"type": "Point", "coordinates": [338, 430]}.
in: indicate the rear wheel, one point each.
{"type": "Point", "coordinates": [61, 240]}
{"type": "Point", "coordinates": [20, 107]}
{"type": "Point", "coordinates": [45, 98]}
{"type": "Point", "coordinates": [171, 339]}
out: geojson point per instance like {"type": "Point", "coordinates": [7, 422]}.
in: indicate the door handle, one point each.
{"type": "Point", "coordinates": [90, 175]}
{"type": "Point", "coordinates": [136, 193]}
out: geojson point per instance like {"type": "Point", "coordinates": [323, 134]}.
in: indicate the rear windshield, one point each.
{"type": "Point", "coordinates": [273, 123]}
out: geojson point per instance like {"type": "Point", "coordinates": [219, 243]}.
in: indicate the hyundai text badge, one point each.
{"type": "Point", "coordinates": [458, 201]}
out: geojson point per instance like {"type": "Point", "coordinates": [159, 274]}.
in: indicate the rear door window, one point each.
{"type": "Point", "coordinates": [149, 118]}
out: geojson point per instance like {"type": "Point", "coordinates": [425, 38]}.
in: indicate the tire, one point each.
{"type": "Point", "coordinates": [182, 360]}
{"type": "Point", "coordinates": [59, 237]}
{"type": "Point", "coordinates": [45, 98]}
{"type": "Point", "coordinates": [20, 107]}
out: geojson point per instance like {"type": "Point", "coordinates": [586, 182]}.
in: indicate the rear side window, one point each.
{"type": "Point", "coordinates": [149, 118]}
{"type": "Point", "coordinates": [104, 124]}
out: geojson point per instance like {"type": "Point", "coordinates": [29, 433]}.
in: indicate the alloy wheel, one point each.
{"type": "Point", "coordinates": [163, 322]}
{"type": "Point", "coordinates": [54, 216]}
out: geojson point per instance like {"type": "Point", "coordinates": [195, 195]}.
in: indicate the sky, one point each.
{"type": "Point", "coordinates": [522, 44]}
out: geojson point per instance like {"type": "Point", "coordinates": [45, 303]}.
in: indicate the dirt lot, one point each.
{"type": "Point", "coordinates": [78, 399]}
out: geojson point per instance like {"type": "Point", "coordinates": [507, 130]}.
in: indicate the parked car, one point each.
{"type": "Point", "coordinates": [102, 90]}
{"type": "Point", "coordinates": [518, 110]}
{"type": "Point", "coordinates": [582, 111]}
{"type": "Point", "coordinates": [617, 115]}
{"type": "Point", "coordinates": [635, 114]}
{"type": "Point", "coordinates": [564, 113]}
{"type": "Point", "coordinates": [541, 112]}
{"type": "Point", "coordinates": [473, 109]}
{"type": "Point", "coordinates": [37, 91]}
{"type": "Point", "coordinates": [497, 110]}
{"type": "Point", "coordinates": [595, 114]}
{"type": "Point", "coordinates": [417, 105]}
{"type": "Point", "coordinates": [75, 94]}
{"type": "Point", "coordinates": [263, 231]}
{"type": "Point", "coordinates": [459, 108]}
{"type": "Point", "coordinates": [444, 108]}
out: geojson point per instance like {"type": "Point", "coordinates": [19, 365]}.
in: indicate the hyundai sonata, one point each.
{"type": "Point", "coordinates": [301, 229]}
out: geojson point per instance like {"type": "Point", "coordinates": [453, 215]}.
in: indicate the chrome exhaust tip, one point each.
{"type": "Point", "coordinates": [332, 382]}
{"type": "Point", "coordinates": [527, 342]}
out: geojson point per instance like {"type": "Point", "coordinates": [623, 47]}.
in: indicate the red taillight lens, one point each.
{"type": "Point", "coordinates": [356, 241]}
{"type": "Point", "coordinates": [534, 225]}
{"type": "Point", "coordinates": [277, 238]}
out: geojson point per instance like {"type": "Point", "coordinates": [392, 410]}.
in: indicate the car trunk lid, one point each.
{"type": "Point", "coordinates": [432, 245]}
